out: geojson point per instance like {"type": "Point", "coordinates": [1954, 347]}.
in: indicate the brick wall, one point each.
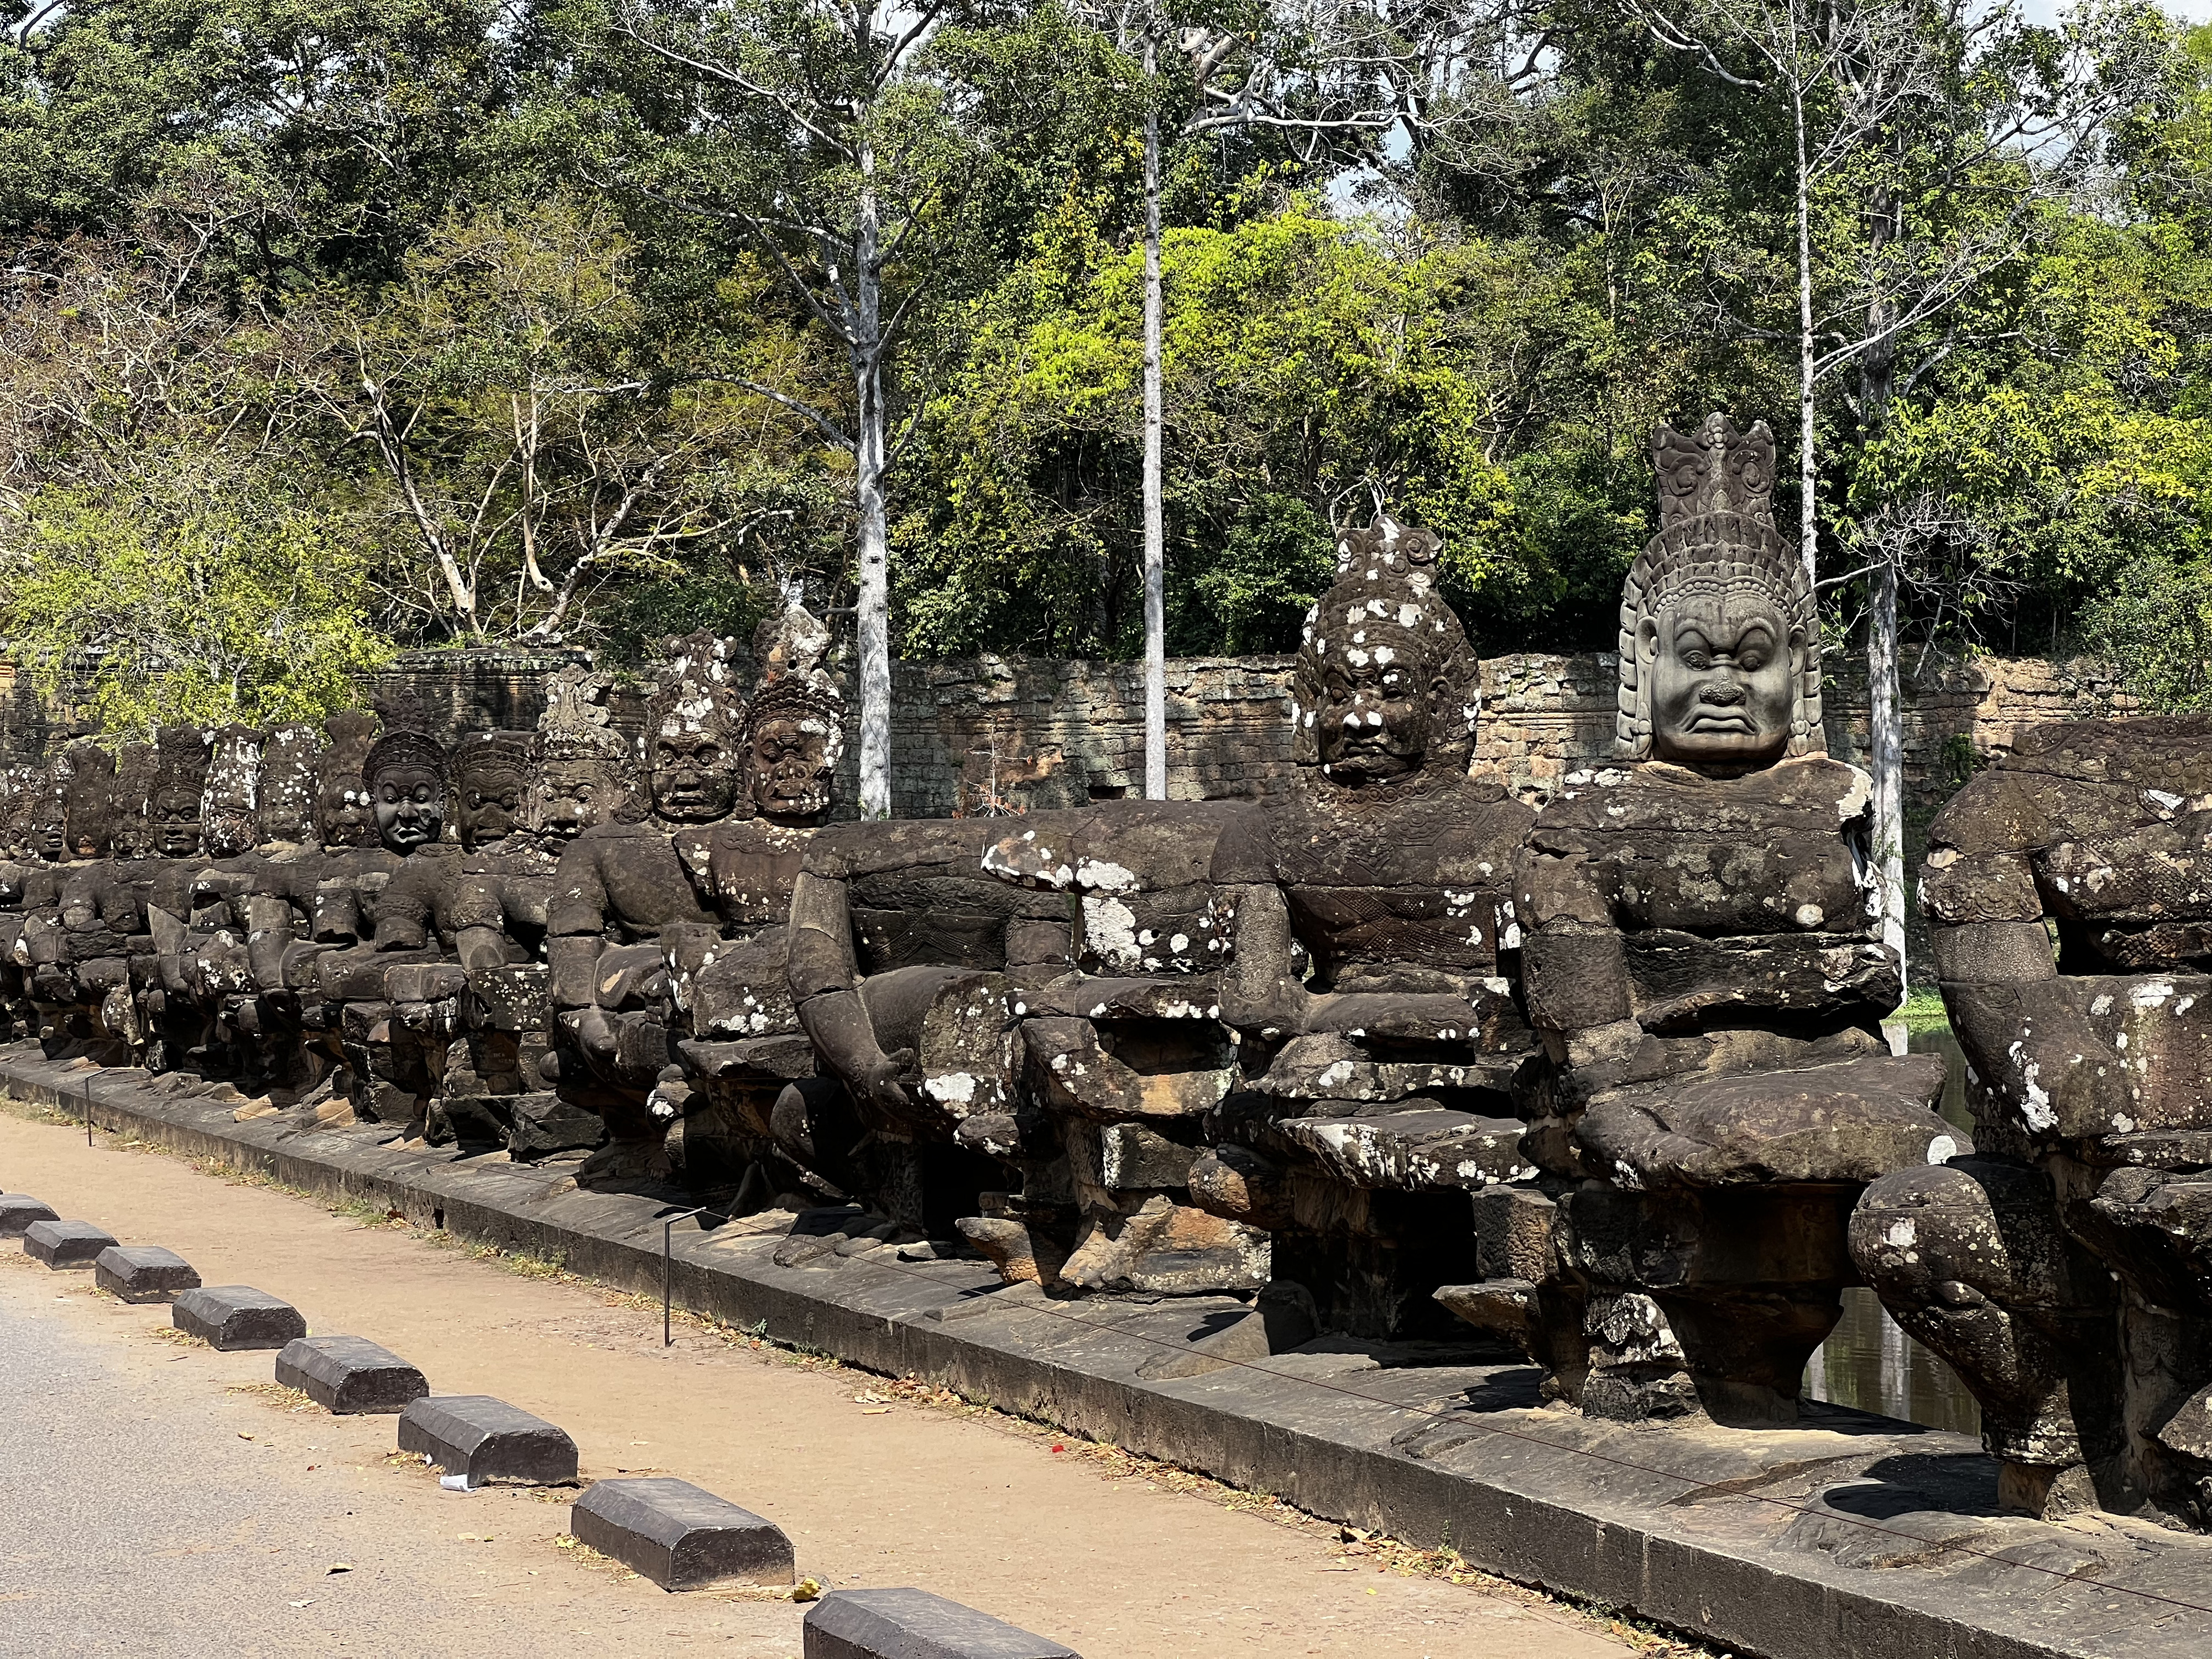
{"type": "Point", "coordinates": [1032, 734]}
{"type": "Point", "coordinates": [1036, 733]}
{"type": "Point", "coordinates": [1543, 715]}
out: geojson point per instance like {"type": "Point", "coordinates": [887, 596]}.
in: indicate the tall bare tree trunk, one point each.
{"type": "Point", "coordinates": [1885, 746]}
{"type": "Point", "coordinates": [1808, 470]}
{"type": "Point", "coordinates": [870, 452]}
{"type": "Point", "coordinates": [1885, 735]}
{"type": "Point", "coordinates": [1156, 648]}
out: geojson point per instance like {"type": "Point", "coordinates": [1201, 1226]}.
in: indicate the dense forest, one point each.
{"type": "Point", "coordinates": [335, 327]}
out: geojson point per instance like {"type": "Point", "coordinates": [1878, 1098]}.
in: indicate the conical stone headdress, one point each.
{"type": "Point", "coordinates": [792, 648]}
{"type": "Point", "coordinates": [1385, 594]}
{"type": "Point", "coordinates": [1716, 535]}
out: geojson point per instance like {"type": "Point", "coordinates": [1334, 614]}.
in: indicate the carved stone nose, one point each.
{"type": "Point", "coordinates": [1723, 693]}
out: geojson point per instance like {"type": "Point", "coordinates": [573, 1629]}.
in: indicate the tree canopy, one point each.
{"type": "Point", "coordinates": [336, 327]}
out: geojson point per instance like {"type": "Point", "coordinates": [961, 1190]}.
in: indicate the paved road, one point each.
{"type": "Point", "coordinates": [135, 1519]}
{"type": "Point", "coordinates": [140, 1520]}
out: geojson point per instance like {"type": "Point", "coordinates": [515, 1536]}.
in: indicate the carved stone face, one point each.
{"type": "Point", "coordinates": [228, 827]}
{"type": "Point", "coordinates": [47, 837]}
{"type": "Point", "coordinates": [787, 767]}
{"type": "Point", "coordinates": [575, 793]}
{"type": "Point", "coordinates": [288, 783]}
{"type": "Point", "coordinates": [695, 773]}
{"type": "Point", "coordinates": [409, 803]}
{"type": "Point", "coordinates": [345, 815]}
{"type": "Point", "coordinates": [177, 823]}
{"type": "Point", "coordinates": [1377, 706]}
{"type": "Point", "coordinates": [494, 792]}
{"type": "Point", "coordinates": [1724, 674]}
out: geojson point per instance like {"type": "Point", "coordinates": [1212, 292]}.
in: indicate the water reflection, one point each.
{"type": "Point", "coordinates": [1867, 1362]}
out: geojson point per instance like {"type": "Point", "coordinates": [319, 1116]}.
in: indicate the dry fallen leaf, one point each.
{"type": "Point", "coordinates": [876, 1411]}
{"type": "Point", "coordinates": [341, 1566]}
{"type": "Point", "coordinates": [242, 1435]}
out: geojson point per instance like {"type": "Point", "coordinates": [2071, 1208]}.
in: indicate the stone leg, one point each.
{"type": "Point", "coordinates": [1126, 1101]}
{"type": "Point", "coordinates": [2153, 1229]}
{"type": "Point", "coordinates": [1709, 1300]}
{"type": "Point", "coordinates": [388, 1079]}
{"type": "Point", "coordinates": [1970, 1259]}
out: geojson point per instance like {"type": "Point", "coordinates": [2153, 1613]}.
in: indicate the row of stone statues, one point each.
{"type": "Point", "coordinates": [1605, 1080]}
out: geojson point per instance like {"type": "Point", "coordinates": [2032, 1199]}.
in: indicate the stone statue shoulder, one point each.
{"type": "Point", "coordinates": [1442, 829]}
{"type": "Point", "coordinates": [1812, 793]}
{"type": "Point", "coordinates": [843, 851]}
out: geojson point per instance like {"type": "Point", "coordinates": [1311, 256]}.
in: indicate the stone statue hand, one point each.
{"type": "Point", "coordinates": [595, 1033]}
{"type": "Point", "coordinates": [880, 1081]}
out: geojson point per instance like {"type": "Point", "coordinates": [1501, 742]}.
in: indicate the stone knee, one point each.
{"type": "Point", "coordinates": [1969, 1258]}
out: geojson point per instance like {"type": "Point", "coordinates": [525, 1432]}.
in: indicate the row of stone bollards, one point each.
{"type": "Point", "coordinates": [680, 1537]}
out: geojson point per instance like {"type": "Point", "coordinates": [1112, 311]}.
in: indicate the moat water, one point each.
{"type": "Point", "coordinates": [1867, 1361]}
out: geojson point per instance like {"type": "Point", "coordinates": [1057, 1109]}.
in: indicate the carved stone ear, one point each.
{"type": "Point", "coordinates": [1647, 639]}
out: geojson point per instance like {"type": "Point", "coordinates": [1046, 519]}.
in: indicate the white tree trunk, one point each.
{"type": "Point", "coordinates": [1886, 743]}
{"type": "Point", "coordinates": [870, 450]}
{"type": "Point", "coordinates": [1886, 736]}
{"type": "Point", "coordinates": [1155, 668]}
{"type": "Point", "coordinates": [1808, 470]}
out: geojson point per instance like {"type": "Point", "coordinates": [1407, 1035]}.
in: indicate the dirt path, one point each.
{"type": "Point", "coordinates": [880, 1490]}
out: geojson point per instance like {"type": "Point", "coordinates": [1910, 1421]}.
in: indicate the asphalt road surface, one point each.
{"type": "Point", "coordinates": [141, 1519]}
{"type": "Point", "coordinates": [137, 1516]}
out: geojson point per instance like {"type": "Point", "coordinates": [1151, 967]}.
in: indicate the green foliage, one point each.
{"type": "Point", "coordinates": [166, 606]}
{"type": "Point", "coordinates": [307, 298]}
{"type": "Point", "coordinates": [633, 625]}
{"type": "Point", "coordinates": [1312, 369]}
{"type": "Point", "coordinates": [2154, 624]}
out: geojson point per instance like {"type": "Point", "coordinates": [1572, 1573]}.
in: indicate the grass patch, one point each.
{"type": "Point", "coordinates": [591, 1560]}
{"type": "Point", "coordinates": [31, 1112]}
{"type": "Point", "coordinates": [523, 1264]}
{"type": "Point", "coordinates": [291, 1401]}
{"type": "Point", "coordinates": [1923, 1012]}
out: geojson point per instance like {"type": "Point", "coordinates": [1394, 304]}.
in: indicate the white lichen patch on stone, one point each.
{"type": "Point", "coordinates": [952, 1088]}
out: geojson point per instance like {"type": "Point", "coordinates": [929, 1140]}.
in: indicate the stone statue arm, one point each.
{"type": "Point", "coordinates": [1261, 992]}
{"type": "Point", "coordinates": [1574, 963]}
{"type": "Point", "coordinates": [2020, 1029]}
{"type": "Point", "coordinates": [824, 977]}
{"type": "Point", "coordinates": [579, 905]}
{"type": "Point", "coordinates": [475, 910]}
{"type": "Point", "coordinates": [575, 924]}
{"type": "Point", "coordinates": [404, 914]}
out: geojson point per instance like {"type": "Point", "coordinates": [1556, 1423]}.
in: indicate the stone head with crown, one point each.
{"type": "Point", "coordinates": [586, 770]}
{"type": "Point", "coordinates": [405, 772]}
{"type": "Point", "coordinates": [1720, 660]}
{"type": "Point", "coordinates": [794, 731]}
{"type": "Point", "coordinates": [1386, 687]}
{"type": "Point", "coordinates": [694, 732]}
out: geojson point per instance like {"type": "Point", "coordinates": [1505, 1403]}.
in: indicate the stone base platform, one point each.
{"type": "Point", "coordinates": [1849, 1536]}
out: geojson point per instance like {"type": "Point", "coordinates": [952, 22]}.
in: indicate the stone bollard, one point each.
{"type": "Point", "coordinates": [681, 1536]}
{"type": "Point", "coordinates": [912, 1624]}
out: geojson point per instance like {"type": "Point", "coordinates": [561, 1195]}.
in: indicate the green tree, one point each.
{"type": "Point", "coordinates": [1310, 368]}
{"type": "Point", "coordinates": [533, 436]}
{"type": "Point", "coordinates": [200, 599]}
